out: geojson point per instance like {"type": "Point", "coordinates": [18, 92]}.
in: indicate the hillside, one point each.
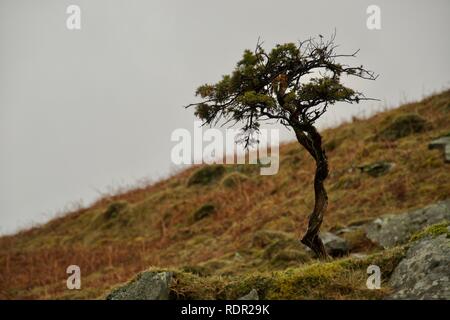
{"type": "Point", "coordinates": [218, 222]}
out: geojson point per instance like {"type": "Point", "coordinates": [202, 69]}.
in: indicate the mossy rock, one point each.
{"type": "Point", "coordinates": [432, 231]}
{"type": "Point", "coordinates": [322, 280]}
{"type": "Point", "coordinates": [146, 285]}
{"type": "Point", "coordinates": [206, 175]}
{"type": "Point", "coordinates": [402, 126]}
{"type": "Point", "coordinates": [197, 270]}
{"type": "Point", "coordinates": [114, 209]}
{"type": "Point", "coordinates": [376, 169]}
{"type": "Point", "coordinates": [204, 211]}
{"type": "Point", "coordinates": [233, 179]}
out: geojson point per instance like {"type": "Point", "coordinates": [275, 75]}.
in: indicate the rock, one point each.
{"type": "Point", "coordinates": [442, 143]}
{"type": "Point", "coordinates": [402, 126]}
{"type": "Point", "coordinates": [391, 230]}
{"type": "Point", "coordinates": [146, 286]}
{"type": "Point", "coordinates": [376, 169]}
{"type": "Point", "coordinates": [424, 273]}
{"type": "Point", "coordinates": [252, 295]}
{"type": "Point", "coordinates": [335, 246]}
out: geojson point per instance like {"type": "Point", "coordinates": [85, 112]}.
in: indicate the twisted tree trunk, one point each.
{"type": "Point", "coordinates": [312, 142]}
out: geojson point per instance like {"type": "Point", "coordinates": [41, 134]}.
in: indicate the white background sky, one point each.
{"type": "Point", "coordinates": [84, 111]}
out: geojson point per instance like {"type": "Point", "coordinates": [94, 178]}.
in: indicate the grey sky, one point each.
{"type": "Point", "coordinates": [81, 111]}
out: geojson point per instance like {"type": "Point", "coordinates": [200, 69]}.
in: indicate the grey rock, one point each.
{"type": "Point", "coordinates": [442, 143]}
{"type": "Point", "coordinates": [252, 295]}
{"type": "Point", "coordinates": [376, 169]}
{"type": "Point", "coordinates": [425, 271]}
{"type": "Point", "coordinates": [391, 230]}
{"type": "Point", "coordinates": [146, 286]}
{"type": "Point", "coordinates": [335, 246]}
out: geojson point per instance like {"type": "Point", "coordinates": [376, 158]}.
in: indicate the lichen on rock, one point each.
{"type": "Point", "coordinates": [424, 273]}
{"type": "Point", "coordinates": [147, 285]}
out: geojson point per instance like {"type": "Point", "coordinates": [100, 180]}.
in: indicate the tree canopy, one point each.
{"type": "Point", "coordinates": [293, 84]}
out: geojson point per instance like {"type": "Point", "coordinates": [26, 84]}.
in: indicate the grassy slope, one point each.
{"type": "Point", "coordinates": [154, 225]}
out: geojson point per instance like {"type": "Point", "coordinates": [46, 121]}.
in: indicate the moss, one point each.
{"type": "Point", "coordinates": [240, 286]}
{"type": "Point", "coordinates": [206, 175]}
{"type": "Point", "coordinates": [402, 126]}
{"type": "Point", "coordinates": [339, 279]}
{"type": "Point", "coordinates": [203, 212]}
{"type": "Point", "coordinates": [188, 286]}
{"type": "Point", "coordinates": [233, 179]}
{"type": "Point", "coordinates": [197, 270]}
{"type": "Point", "coordinates": [432, 231]}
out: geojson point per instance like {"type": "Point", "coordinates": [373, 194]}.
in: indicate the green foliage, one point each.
{"type": "Point", "coordinates": [267, 85]}
{"type": "Point", "coordinates": [206, 175]}
{"type": "Point", "coordinates": [325, 89]}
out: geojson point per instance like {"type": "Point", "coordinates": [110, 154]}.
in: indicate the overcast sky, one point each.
{"type": "Point", "coordinates": [84, 111]}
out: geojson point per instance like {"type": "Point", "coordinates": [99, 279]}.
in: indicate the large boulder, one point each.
{"type": "Point", "coordinates": [425, 271]}
{"type": "Point", "coordinates": [334, 245]}
{"type": "Point", "coordinates": [391, 230]}
{"type": "Point", "coordinates": [147, 285]}
{"type": "Point", "coordinates": [442, 143]}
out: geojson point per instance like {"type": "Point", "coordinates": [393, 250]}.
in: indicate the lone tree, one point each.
{"type": "Point", "coordinates": [293, 84]}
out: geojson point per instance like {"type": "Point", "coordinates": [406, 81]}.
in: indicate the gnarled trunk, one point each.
{"type": "Point", "coordinates": [312, 142]}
